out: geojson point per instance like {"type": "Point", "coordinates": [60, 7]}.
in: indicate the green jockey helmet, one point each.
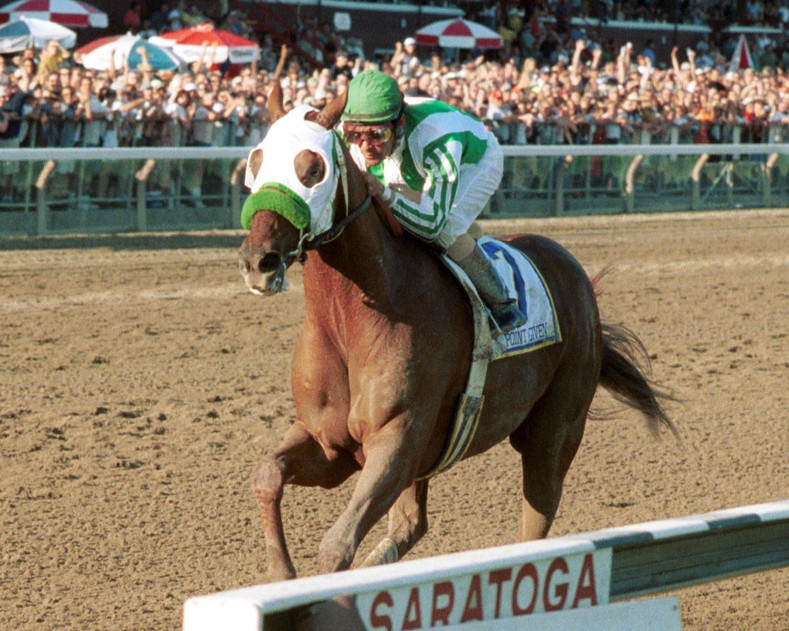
{"type": "Point", "coordinates": [373, 97]}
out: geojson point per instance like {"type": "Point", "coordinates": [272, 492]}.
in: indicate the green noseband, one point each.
{"type": "Point", "coordinates": [279, 199]}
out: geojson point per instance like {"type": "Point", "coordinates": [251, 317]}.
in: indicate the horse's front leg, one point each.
{"type": "Point", "coordinates": [300, 460]}
{"type": "Point", "coordinates": [391, 464]}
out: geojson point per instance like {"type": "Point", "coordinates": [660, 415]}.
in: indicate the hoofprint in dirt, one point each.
{"type": "Point", "coordinates": [141, 383]}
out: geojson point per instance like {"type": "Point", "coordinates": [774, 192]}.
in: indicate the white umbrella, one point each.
{"type": "Point", "coordinates": [458, 33]}
{"type": "Point", "coordinates": [33, 33]}
{"type": "Point", "coordinates": [119, 50]}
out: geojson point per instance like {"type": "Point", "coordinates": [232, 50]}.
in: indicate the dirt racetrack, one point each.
{"type": "Point", "coordinates": [140, 382]}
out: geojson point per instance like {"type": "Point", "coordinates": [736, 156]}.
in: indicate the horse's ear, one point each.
{"type": "Point", "coordinates": [254, 162]}
{"type": "Point", "coordinates": [275, 109]}
{"type": "Point", "coordinates": [329, 116]}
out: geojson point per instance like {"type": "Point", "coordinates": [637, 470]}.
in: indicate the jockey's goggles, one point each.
{"type": "Point", "coordinates": [376, 136]}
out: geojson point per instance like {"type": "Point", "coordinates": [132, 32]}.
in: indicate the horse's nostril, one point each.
{"type": "Point", "coordinates": [269, 263]}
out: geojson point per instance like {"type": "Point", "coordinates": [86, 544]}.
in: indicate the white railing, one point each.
{"type": "Point", "coordinates": [577, 572]}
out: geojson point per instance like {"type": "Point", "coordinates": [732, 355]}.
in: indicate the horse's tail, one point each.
{"type": "Point", "coordinates": [627, 382]}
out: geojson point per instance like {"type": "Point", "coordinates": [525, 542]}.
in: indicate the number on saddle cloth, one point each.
{"type": "Point", "coordinates": [524, 281]}
{"type": "Point", "coordinates": [504, 261]}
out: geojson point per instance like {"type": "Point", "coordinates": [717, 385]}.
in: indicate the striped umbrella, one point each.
{"type": "Point", "coordinates": [458, 33]}
{"type": "Point", "coordinates": [190, 44]}
{"type": "Point", "coordinates": [65, 12]}
{"type": "Point", "coordinates": [33, 33]}
{"type": "Point", "coordinates": [741, 59]}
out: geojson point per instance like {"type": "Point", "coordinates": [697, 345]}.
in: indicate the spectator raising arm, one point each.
{"type": "Point", "coordinates": [52, 55]}
{"type": "Point", "coordinates": [145, 67]}
{"type": "Point", "coordinates": [283, 56]}
{"type": "Point", "coordinates": [575, 62]}
{"type": "Point", "coordinates": [251, 80]}
{"type": "Point", "coordinates": [204, 64]}
{"type": "Point", "coordinates": [623, 63]}
{"type": "Point", "coordinates": [692, 61]}
{"type": "Point", "coordinates": [396, 61]}
{"type": "Point", "coordinates": [679, 77]}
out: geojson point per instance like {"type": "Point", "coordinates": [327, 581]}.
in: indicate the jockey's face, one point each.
{"type": "Point", "coordinates": [375, 141]}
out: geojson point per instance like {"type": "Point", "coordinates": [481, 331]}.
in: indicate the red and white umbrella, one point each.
{"type": "Point", "coordinates": [741, 59]}
{"type": "Point", "coordinates": [65, 12]}
{"type": "Point", "coordinates": [458, 33]}
{"type": "Point", "coordinates": [192, 44]}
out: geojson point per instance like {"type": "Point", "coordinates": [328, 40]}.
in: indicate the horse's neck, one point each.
{"type": "Point", "coordinates": [365, 238]}
{"type": "Point", "coordinates": [366, 260]}
{"type": "Point", "coordinates": [360, 262]}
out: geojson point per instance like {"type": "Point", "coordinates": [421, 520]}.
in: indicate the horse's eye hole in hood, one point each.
{"type": "Point", "coordinates": [310, 168]}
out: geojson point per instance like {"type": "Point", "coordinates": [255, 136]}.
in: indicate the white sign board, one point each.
{"type": "Point", "coordinates": [468, 588]}
{"type": "Point", "coordinates": [557, 583]}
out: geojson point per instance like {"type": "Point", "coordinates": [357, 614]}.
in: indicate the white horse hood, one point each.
{"type": "Point", "coordinates": [277, 182]}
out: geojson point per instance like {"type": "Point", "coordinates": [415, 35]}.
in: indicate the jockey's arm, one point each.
{"type": "Point", "coordinates": [426, 212]}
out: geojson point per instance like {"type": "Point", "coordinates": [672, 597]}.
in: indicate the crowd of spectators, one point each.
{"type": "Point", "coordinates": [710, 13]}
{"type": "Point", "coordinates": [580, 91]}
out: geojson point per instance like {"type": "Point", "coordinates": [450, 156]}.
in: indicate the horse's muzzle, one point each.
{"type": "Point", "coordinates": [264, 275]}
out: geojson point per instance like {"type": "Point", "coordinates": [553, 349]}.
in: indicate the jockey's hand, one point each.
{"type": "Point", "coordinates": [374, 187]}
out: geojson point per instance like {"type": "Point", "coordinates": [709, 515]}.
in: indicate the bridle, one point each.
{"type": "Point", "coordinates": [305, 244]}
{"type": "Point", "coordinates": [337, 227]}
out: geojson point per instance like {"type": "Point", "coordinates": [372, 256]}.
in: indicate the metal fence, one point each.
{"type": "Point", "coordinates": [63, 191]}
{"type": "Point", "coordinates": [574, 179]}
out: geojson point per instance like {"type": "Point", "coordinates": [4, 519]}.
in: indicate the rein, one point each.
{"type": "Point", "coordinates": [336, 229]}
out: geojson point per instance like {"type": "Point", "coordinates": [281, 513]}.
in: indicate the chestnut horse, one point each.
{"type": "Point", "coordinates": [384, 356]}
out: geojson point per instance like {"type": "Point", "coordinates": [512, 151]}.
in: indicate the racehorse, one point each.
{"type": "Point", "coordinates": [384, 355]}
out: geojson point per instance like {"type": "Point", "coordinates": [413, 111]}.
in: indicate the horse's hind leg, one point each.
{"type": "Point", "coordinates": [298, 460]}
{"type": "Point", "coordinates": [407, 525]}
{"type": "Point", "coordinates": [548, 441]}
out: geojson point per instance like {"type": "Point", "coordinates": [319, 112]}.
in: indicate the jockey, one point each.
{"type": "Point", "coordinates": [436, 167]}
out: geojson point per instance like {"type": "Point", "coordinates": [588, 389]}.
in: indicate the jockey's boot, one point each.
{"type": "Point", "coordinates": [492, 290]}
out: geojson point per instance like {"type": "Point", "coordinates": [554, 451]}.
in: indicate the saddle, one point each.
{"type": "Point", "coordinates": [541, 329]}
